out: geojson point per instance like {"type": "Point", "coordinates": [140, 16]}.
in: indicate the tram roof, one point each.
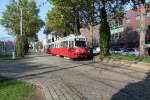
{"type": "Point", "coordinates": [70, 37]}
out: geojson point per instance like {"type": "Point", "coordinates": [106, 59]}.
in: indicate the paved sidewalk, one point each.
{"type": "Point", "coordinates": [63, 79]}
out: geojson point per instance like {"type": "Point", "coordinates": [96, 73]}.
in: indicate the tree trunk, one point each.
{"type": "Point", "coordinates": [90, 35]}
{"type": "Point", "coordinates": [78, 24]}
{"type": "Point", "coordinates": [143, 30]}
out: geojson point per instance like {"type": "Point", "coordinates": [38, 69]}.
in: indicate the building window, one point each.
{"type": "Point", "coordinates": [148, 14]}
{"type": "Point", "coordinates": [138, 17]}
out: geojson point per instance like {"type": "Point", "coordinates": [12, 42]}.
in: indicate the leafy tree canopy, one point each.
{"type": "Point", "coordinates": [31, 21]}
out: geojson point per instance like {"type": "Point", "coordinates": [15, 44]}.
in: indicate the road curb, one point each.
{"type": "Point", "coordinates": [44, 89]}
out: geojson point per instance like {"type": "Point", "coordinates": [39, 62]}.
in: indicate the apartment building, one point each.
{"type": "Point", "coordinates": [130, 22]}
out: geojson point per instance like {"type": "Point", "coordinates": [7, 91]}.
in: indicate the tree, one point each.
{"type": "Point", "coordinates": [64, 17]}
{"type": "Point", "coordinates": [88, 17]}
{"type": "Point", "coordinates": [104, 33]}
{"type": "Point", "coordinates": [141, 6]}
{"type": "Point", "coordinates": [111, 7]}
{"type": "Point", "coordinates": [107, 9]}
{"type": "Point", "coordinates": [58, 23]}
{"type": "Point", "coordinates": [47, 31]}
{"type": "Point", "coordinates": [39, 45]}
{"type": "Point", "coordinates": [31, 21]}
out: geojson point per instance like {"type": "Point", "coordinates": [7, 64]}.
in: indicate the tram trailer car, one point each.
{"type": "Point", "coordinates": [47, 49]}
{"type": "Point", "coordinates": [71, 46]}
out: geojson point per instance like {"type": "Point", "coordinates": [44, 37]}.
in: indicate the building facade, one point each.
{"type": "Point", "coordinates": [131, 20]}
{"type": "Point", "coordinates": [125, 31]}
{"type": "Point", "coordinates": [91, 38]}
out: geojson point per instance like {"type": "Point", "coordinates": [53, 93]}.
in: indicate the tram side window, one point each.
{"type": "Point", "coordinates": [52, 45]}
{"type": "Point", "coordinates": [80, 43]}
{"type": "Point", "coordinates": [65, 44]}
{"type": "Point", "coordinates": [71, 44]}
{"type": "Point", "coordinates": [61, 44]}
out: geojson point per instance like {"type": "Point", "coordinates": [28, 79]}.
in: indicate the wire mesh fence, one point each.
{"type": "Point", "coordinates": [7, 46]}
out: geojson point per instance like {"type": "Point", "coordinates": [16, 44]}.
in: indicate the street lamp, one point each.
{"type": "Point", "coordinates": [21, 21]}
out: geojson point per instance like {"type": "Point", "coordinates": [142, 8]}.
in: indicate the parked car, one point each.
{"type": "Point", "coordinates": [116, 50]}
{"type": "Point", "coordinates": [111, 50]}
{"type": "Point", "coordinates": [96, 50]}
{"type": "Point", "coordinates": [131, 51]}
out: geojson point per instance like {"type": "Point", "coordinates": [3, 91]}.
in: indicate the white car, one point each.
{"type": "Point", "coordinates": [131, 51]}
{"type": "Point", "coordinates": [116, 50]}
{"type": "Point", "coordinates": [96, 50]}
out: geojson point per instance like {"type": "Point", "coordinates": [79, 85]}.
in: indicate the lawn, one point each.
{"type": "Point", "coordinates": [15, 90]}
{"type": "Point", "coordinates": [130, 58]}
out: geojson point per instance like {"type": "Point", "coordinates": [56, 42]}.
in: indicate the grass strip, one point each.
{"type": "Point", "coordinates": [11, 89]}
{"type": "Point", "coordinates": [130, 58]}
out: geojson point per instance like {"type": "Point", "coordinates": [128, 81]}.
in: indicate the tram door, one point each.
{"type": "Point", "coordinates": [71, 48]}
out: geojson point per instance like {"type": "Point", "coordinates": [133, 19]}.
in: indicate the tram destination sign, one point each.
{"type": "Point", "coordinates": [79, 39]}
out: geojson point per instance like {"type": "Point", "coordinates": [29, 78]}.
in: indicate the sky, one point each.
{"type": "Point", "coordinates": [43, 11]}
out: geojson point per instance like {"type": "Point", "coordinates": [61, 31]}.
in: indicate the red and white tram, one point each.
{"type": "Point", "coordinates": [71, 46]}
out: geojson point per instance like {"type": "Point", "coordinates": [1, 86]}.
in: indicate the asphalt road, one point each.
{"type": "Point", "coordinates": [63, 79]}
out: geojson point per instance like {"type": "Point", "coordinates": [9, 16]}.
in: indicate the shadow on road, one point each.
{"type": "Point", "coordinates": [135, 91]}
{"type": "Point", "coordinates": [28, 69]}
{"type": "Point", "coordinates": [50, 69]}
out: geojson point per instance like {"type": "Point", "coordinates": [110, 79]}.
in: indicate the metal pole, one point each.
{"type": "Point", "coordinates": [4, 48]}
{"type": "Point", "coordinates": [21, 21]}
{"type": "Point", "coordinates": [14, 50]}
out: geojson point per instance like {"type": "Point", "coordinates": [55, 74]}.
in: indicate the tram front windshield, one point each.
{"type": "Point", "coordinates": [80, 43]}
